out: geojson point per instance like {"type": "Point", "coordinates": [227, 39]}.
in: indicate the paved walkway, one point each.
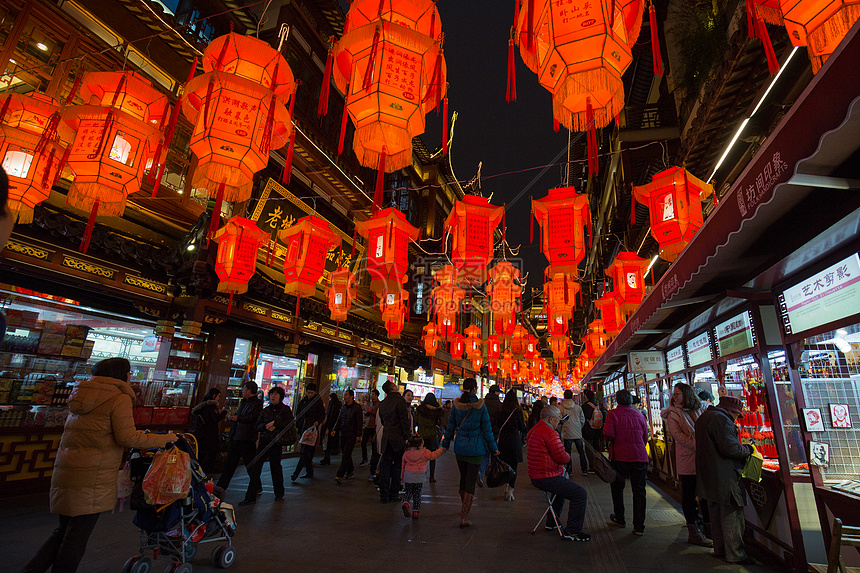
{"type": "Point", "coordinates": [321, 527]}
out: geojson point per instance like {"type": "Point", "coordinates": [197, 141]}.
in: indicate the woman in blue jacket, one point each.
{"type": "Point", "coordinates": [470, 428]}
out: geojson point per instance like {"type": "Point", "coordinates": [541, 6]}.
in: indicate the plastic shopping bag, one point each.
{"type": "Point", "coordinates": [168, 478]}
{"type": "Point", "coordinates": [309, 438]}
{"type": "Point", "coordinates": [753, 465]}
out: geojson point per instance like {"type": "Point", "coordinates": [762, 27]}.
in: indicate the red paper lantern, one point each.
{"type": "Point", "coordinates": [556, 321]}
{"type": "Point", "coordinates": [531, 347]}
{"type": "Point", "coordinates": [563, 216]}
{"type": "Point", "coordinates": [819, 24]}
{"type": "Point", "coordinates": [393, 307]}
{"type": "Point", "coordinates": [558, 345]}
{"type": "Point", "coordinates": [492, 366]}
{"type": "Point", "coordinates": [674, 200]}
{"type": "Point", "coordinates": [506, 363]}
{"type": "Point", "coordinates": [562, 366]}
{"type": "Point", "coordinates": [472, 223]}
{"type": "Point", "coordinates": [430, 340]}
{"type": "Point", "coordinates": [308, 242]}
{"type": "Point", "coordinates": [447, 298]}
{"type": "Point", "coordinates": [477, 362]}
{"type": "Point", "coordinates": [628, 277]}
{"type": "Point", "coordinates": [518, 340]}
{"type": "Point", "coordinates": [341, 293]}
{"type": "Point", "coordinates": [237, 107]}
{"type": "Point", "coordinates": [610, 313]}
{"type": "Point", "coordinates": [116, 133]}
{"type": "Point", "coordinates": [457, 345]}
{"type": "Point", "coordinates": [494, 347]}
{"type": "Point", "coordinates": [474, 344]}
{"type": "Point", "coordinates": [32, 145]}
{"type": "Point", "coordinates": [561, 294]}
{"type": "Point", "coordinates": [236, 262]}
{"type": "Point", "coordinates": [388, 235]}
{"type": "Point", "coordinates": [596, 339]}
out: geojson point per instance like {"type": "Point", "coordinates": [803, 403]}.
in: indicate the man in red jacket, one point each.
{"type": "Point", "coordinates": [546, 461]}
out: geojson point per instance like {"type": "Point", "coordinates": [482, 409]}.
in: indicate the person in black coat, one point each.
{"type": "Point", "coordinates": [205, 421]}
{"type": "Point", "coordinates": [534, 415]}
{"type": "Point", "coordinates": [348, 424]}
{"type": "Point", "coordinates": [334, 406]}
{"type": "Point", "coordinates": [395, 419]}
{"type": "Point", "coordinates": [274, 418]}
{"type": "Point", "coordinates": [512, 427]}
{"type": "Point", "coordinates": [594, 435]}
{"type": "Point", "coordinates": [243, 437]}
{"type": "Point", "coordinates": [310, 412]}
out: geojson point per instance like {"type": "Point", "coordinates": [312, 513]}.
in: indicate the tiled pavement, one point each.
{"type": "Point", "coordinates": [321, 526]}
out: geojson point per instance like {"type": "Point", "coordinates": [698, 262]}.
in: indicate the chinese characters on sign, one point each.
{"type": "Point", "coordinates": [735, 334]}
{"type": "Point", "coordinates": [642, 362]}
{"type": "Point", "coordinates": [830, 295]}
{"type": "Point", "coordinates": [752, 195]}
{"type": "Point", "coordinates": [699, 350]}
{"type": "Point", "coordinates": [675, 359]}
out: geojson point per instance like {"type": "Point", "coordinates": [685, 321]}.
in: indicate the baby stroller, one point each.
{"type": "Point", "coordinates": [179, 528]}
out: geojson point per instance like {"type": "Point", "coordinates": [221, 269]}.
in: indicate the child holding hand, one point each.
{"type": "Point", "coordinates": [412, 474]}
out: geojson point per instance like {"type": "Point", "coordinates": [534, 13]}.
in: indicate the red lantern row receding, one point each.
{"type": "Point", "coordinates": [446, 300]}
{"type": "Point", "coordinates": [474, 344]}
{"type": "Point", "coordinates": [308, 242]}
{"type": "Point", "coordinates": [341, 293]}
{"type": "Point", "coordinates": [430, 340]}
{"type": "Point", "coordinates": [32, 145]}
{"type": "Point", "coordinates": [819, 24]}
{"type": "Point", "coordinates": [628, 277]}
{"type": "Point", "coordinates": [610, 313]}
{"type": "Point", "coordinates": [237, 107]}
{"type": "Point", "coordinates": [674, 201]}
{"type": "Point", "coordinates": [596, 339]}
{"type": "Point", "coordinates": [388, 235]}
{"type": "Point", "coordinates": [472, 223]}
{"type": "Point", "coordinates": [563, 216]}
{"type": "Point", "coordinates": [236, 262]}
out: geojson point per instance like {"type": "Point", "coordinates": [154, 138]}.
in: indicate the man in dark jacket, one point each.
{"type": "Point", "coordinates": [243, 438]}
{"type": "Point", "coordinates": [275, 417]}
{"type": "Point", "coordinates": [331, 415]}
{"type": "Point", "coordinates": [595, 415]}
{"type": "Point", "coordinates": [394, 416]}
{"type": "Point", "coordinates": [310, 412]}
{"type": "Point", "coordinates": [720, 460]}
{"type": "Point", "coordinates": [348, 423]}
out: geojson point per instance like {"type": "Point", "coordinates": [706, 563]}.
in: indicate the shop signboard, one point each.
{"type": "Point", "coordinates": [675, 359]}
{"type": "Point", "coordinates": [699, 350]}
{"type": "Point", "coordinates": [735, 334]}
{"type": "Point", "coordinates": [830, 295]}
{"type": "Point", "coordinates": [646, 361]}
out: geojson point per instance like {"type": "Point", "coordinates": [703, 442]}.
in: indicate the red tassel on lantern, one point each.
{"type": "Point", "coordinates": [764, 36]}
{"type": "Point", "coordinates": [88, 232]}
{"type": "Point", "coordinates": [288, 162]}
{"type": "Point", "coordinates": [322, 108]}
{"type": "Point", "coordinates": [511, 93]}
{"type": "Point", "coordinates": [445, 128]}
{"type": "Point", "coordinates": [380, 179]}
{"type": "Point", "coordinates": [655, 42]}
{"type": "Point", "coordinates": [751, 19]}
{"type": "Point", "coordinates": [171, 129]}
{"type": "Point", "coordinates": [591, 139]}
{"type": "Point", "coordinates": [368, 73]}
{"type": "Point", "coordinates": [342, 128]}
{"type": "Point", "coordinates": [215, 221]}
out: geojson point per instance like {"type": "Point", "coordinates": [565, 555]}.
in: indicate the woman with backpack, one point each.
{"type": "Point", "coordinates": [470, 427]}
{"type": "Point", "coordinates": [275, 417]}
{"type": "Point", "coordinates": [595, 414]}
{"type": "Point", "coordinates": [205, 421]}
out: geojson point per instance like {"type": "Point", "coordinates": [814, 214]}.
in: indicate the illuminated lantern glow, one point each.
{"type": "Point", "coordinates": [631, 11]}
{"type": "Point", "coordinates": [504, 291]}
{"type": "Point", "coordinates": [116, 133]}
{"type": "Point", "coordinates": [474, 344]}
{"type": "Point", "coordinates": [562, 366]}
{"type": "Point", "coordinates": [494, 347]}
{"type": "Point", "coordinates": [477, 362]}
{"type": "Point", "coordinates": [515, 367]}
{"type": "Point", "coordinates": [819, 24]}
{"type": "Point", "coordinates": [447, 297]}
{"type": "Point", "coordinates": [430, 340]}
{"type": "Point", "coordinates": [674, 200]}
{"type": "Point", "coordinates": [393, 306]}
{"type": "Point", "coordinates": [518, 340]}
{"type": "Point", "coordinates": [32, 144]}
{"type": "Point", "coordinates": [456, 346]}
{"type": "Point", "coordinates": [506, 363]}
{"type": "Point", "coordinates": [238, 109]}
{"type": "Point", "coordinates": [530, 350]}
{"type": "Point", "coordinates": [596, 339]}
{"type": "Point", "coordinates": [628, 277]}
{"type": "Point", "coordinates": [504, 326]}
{"type": "Point", "coordinates": [236, 262]}
{"type": "Point", "coordinates": [540, 367]}
{"type": "Point", "coordinates": [472, 223]}
{"type": "Point", "coordinates": [308, 242]}
{"type": "Point", "coordinates": [558, 345]}
{"type": "Point", "coordinates": [556, 321]}
{"type": "Point", "coordinates": [561, 294]}
{"type": "Point", "coordinates": [563, 216]}
{"type": "Point", "coordinates": [389, 63]}
{"type": "Point", "coordinates": [388, 235]}
{"type": "Point", "coordinates": [610, 313]}
{"type": "Point", "coordinates": [492, 366]}
{"type": "Point", "coordinates": [341, 293]}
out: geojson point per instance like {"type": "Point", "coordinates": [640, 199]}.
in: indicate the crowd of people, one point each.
{"type": "Point", "coordinates": [405, 441]}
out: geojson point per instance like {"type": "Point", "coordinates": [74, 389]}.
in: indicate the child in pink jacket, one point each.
{"type": "Point", "coordinates": [414, 468]}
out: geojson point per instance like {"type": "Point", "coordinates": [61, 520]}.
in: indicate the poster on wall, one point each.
{"type": "Point", "coordinates": [646, 362]}
{"type": "Point", "coordinates": [819, 454]}
{"type": "Point", "coordinates": [814, 421]}
{"type": "Point", "coordinates": [840, 416]}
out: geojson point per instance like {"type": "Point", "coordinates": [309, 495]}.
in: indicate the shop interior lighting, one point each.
{"type": "Point", "coordinates": [755, 109]}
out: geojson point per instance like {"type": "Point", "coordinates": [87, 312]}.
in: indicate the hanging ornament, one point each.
{"type": "Point", "coordinates": [472, 223]}
{"type": "Point", "coordinates": [558, 345]}
{"type": "Point", "coordinates": [474, 344]}
{"type": "Point", "coordinates": [562, 366]}
{"type": "Point", "coordinates": [560, 293]}
{"type": "Point", "coordinates": [341, 293]}
{"type": "Point", "coordinates": [388, 235]}
{"type": "Point", "coordinates": [819, 24]}
{"type": "Point", "coordinates": [504, 291]}
{"type": "Point", "coordinates": [628, 278]}
{"type": "Point", "coordinates": [308, 242]}
{"type": "Point", "coordinates": [518, 340]}
{"type": "Point", "coordinates": [610, 313]}
{"type": "Point", "coordinates": [393, 307]}
{"type": "Point", "coordinates": [236, 261]}
{"type": "Point", "coordinates": [430, 340]}
{"type": "Point", "coordinates": [596, 339]}
{"type": "Point", "coordinates": [563, 216]}
{"type": "Point", "coordinates": [447, 297]}
{"type": "Point", "coordinates": [457, 345]}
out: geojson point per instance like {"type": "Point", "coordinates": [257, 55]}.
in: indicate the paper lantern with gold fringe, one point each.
{"type": "Point", "coordinates": [472, 223]}
{"type": "Point", "coordinates": [628, 277]}
{"type": "Point", "coordinates": [341, 293]}
{"type": "Point", "coordinates": [236, 261]}
{"type": "Point", "coordinates": [388, 235]}
{"type": "Point", "coordinates": [564, 217]}
{"type": "Point", "coordinates": [819, 24]}
{"type": "Point", "coordinates": [308, 242]}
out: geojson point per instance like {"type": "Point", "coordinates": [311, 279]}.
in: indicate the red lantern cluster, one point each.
{"type": "Point", "coordinates": [596, 339]}
{"type": "Point", "coordinates": [819, 24]}
{"type": "Point", "coordinates": [394, 307]}
{"type": "Point", "coordinates": [474, 344]}
{"type": "Point", "coordinates": [388, 235]}
{"type": "Point", "coordinates": [430, 340]}
{"type": "Point", "coordinates": [447, 297]}
{"type": "Point", "coordinates": [504, 291]}
{"type": "Point", "coordinates": [610, 313]}
{"type": "Point", "coordinates": [472, 222]}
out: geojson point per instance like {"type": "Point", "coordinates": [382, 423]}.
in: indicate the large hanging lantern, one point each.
{"type": "Point", "coordinates": [32, 146]}
{"type": "Point", "coordinates": [447, 297]}
{"type": "Point", "coordinates": [628, 277]}
{"type": "Point", "coordinates": [504, 291]}
{"type": "Point", "coordinates": [494, 347]}
{"type": "Point", "coordinates": [393, 307]}
{"type": "Point", "coordinates": [477, 363]}
{"type": "Point", "coordinates": [237, 107]}
{"type": "Point", "coordinates": [561, 294]}
{"type": "Point", "coordinates": [596, 339]}
{"type": "Point", "coordinates": [492, 366]}
{"type": "Point", "coordinates": [389, 63]}
{"type": "Point", "coordinates": [563, 216]}
{"type": "Point", "coordinates": [518, 340]}
{"type": "Point", "coordinates": [116, 133]}
{"type": "Point", "coordinates": [308, 242]}
{"type": "Point", "coordinates": [530, 351]}
{"type": "Point", "coordinates": [341, 293]}
{"type": "Point", "coordinates": [562, 366]}
{"type": "Point", "coordinates": [457, 345]}
{"type": "Point", "coordinates": [506, 364]}
{"type": "Point", "coordinates": [388, 235]}
{"type": "Point", "coordinates": [819, 24]}
{"type": "Point", "coordinates": [430, 340]}
{"type": "Point", "coordinates": [610, 313]}
{"type": "Point", "coordinates": [236, 261]}
{"type": "Point", "coordinates": [556, 321]}
{"type": "Point", "coordinates": [558, 345]}
{"type": "Point", "coordinates": [472, 223]}
{"type": "Point", "coordinates": [674, 201]}
{"type": "Point", "coordinates": [474, 344]}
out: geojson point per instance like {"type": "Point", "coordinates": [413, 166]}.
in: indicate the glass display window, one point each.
{"type": "Point", "coordinates": [274, 370]}
{"type": "Point", "coordinates": [785, 399]}
{"type": "Point", "coordinates": [743, 380]}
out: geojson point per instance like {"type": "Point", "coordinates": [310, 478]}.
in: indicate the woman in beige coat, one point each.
{"type": "Point", "coordinates": [83, 484]}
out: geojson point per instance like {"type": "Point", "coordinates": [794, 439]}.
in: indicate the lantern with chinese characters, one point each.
{"type": "Point", "coordinates": [561, 294]}
{"type": "Point", "coordinates": [610, 313]}
{"type": "Point", "coordinates": [457, 345]}
{"type": "Point", "coordinates": [504, 326]}
{"type": "Point", "coordinates": [393, 307]}
{"type": "Point", "coordinates": [530, 350]}
{"type": "Point", "coordinates": [341, 293]}
{"type": "Point", "coordinates": [819, 24]}
{"type": "Point", "coordinates": [474, 344]}
{"type": "Point", "coordinates": [596, 338]}
{"type": "Point", "coordinates": [506, 364]}
{"type": "Point", "coordinates": [308, 242]}
{"type": "Point", "coordinates": [518, 340]}
{"type": "Point", "coordinates": [238, 110]}
{"type": "Point", "coordinates": [430, 340]}
{"type": "Point", "coordinates": [238, 242]}
{"type": "Point", "coordinates": [563, 216]}
{"type": "Point", "coordinates": [389, 63]}
{"type": "Point", "coordinates": [556, 321]}
{"type": "Point", "coordinates": [539, 367]}
{"type": "Point", "coordinates": [516, 367]}
{"type": "Point", "coordinates": [674, 200]}
{"type": "Point", "coordinates": [494, 347]}
{"type": "Point", "coordinates": [447, 297]}
{"type": "Point", "coordinates": [558, 345]}
{"type": "Point", "coordinates": [388, 235]}
{"type": "Point", "coordinates": [579, 49]}
{"type": "Point", "coordinates": [472, 222]}
{"type": "Point", "coordinates": [116, 133]}
{"type": "Point", "coordinates": [32, 145]}
{"type": "Point", "coordinates": [628, 277]}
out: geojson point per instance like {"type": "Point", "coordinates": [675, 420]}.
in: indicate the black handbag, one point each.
{"type": "Point", "coordinates": [498, 473]}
